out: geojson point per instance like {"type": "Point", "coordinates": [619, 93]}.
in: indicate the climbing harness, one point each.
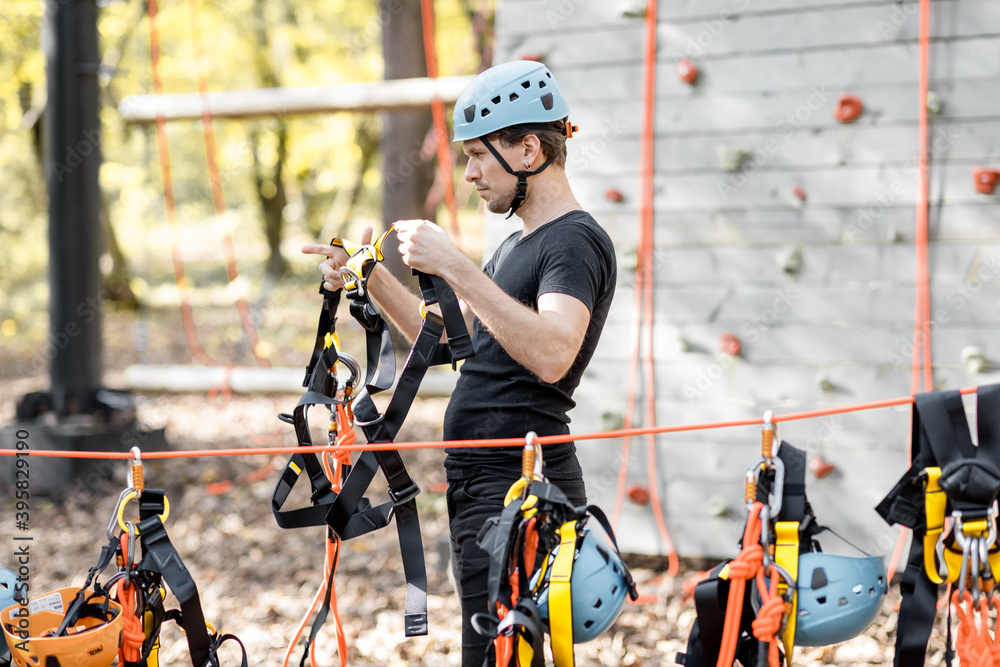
{"type": "Point", "coordinates": [948, 497]}
{"type": "Point", "coordinates": [520, 93]}
{"type": "Point", "coordinates": [781, 587]}
{"type": "Point", "coordinates": [344, 510]}
{"type": "Point", "coordinates": [548, 571]}
{"type": "Point", "coordinates": [9, 595]}
{"type": "Point", "coordinates": [89, 627]}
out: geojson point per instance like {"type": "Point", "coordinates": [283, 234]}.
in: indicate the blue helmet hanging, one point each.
{"type": "Point", "coordinates": [598, 584]}
{"type": "Point", "coordinates": [8, 583]}
{"type": "Point", "coordinates": [838, 597]}
{"type": "Point", "coordinates": [513, 93]}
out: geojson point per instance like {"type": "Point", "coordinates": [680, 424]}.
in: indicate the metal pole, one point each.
{"type": "Point", "coordinates": [70, 40]}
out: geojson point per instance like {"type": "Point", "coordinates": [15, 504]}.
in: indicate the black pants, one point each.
{"type": "Point", "coordinates": [470, 503]}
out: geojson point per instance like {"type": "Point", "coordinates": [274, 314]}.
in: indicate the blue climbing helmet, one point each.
{"type": "Point", "coordinates": [8, 584]}
{"type": "Point", "coordinates": [598, 586]}
{"type": "Point", "coordinates": [838, 597]}
{"type": "Point", "coordinates": [522, 93]}
{"type": "Point", "coordinates": [514, 93]}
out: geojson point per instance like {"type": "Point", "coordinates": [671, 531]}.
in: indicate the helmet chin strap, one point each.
{"type": "Point", "coordinates": [522, 176]}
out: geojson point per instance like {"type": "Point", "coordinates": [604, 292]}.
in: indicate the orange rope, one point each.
{"type": "Point", "coordinates": [741, 570]}
{"type": "Point", "coordinates": [768, 622]}
{"type": "Point", "coordinates": [170, 201]}
{"type": "Point", "coordinates": [974, 644]}
{"type": "Point", "coordinates": [922, 293]}
{"type": "Point", "coordinates": [445, 169]}
{"type": "Point", "coordinates": [218, 198]}
{"type": "Point", "coordinates": [132, 634]}
{"type": "Point", "coordinates": [646, 214]}
{"type": "Point", "coordinates": [333, 469]}
{"type": "Point", "coordinates": [441, 444]}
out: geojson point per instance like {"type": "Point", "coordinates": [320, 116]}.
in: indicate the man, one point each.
{"type": "Point", "coordinates": [536, 310]}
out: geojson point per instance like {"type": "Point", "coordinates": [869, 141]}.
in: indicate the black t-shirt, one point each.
{"type": "Point", "coordinates": [495, 396]}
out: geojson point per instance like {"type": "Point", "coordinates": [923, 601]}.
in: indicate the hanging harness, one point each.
{"type": "Point", "coordinates": [532, 546]}
{"type": "Point", "coordinates": [731, 623]}
{"type": "Point", "coordinates": [131, 614]}
{"type": "Point", "coordinates": [347, 513]}
{"type": "Point", "coordinates": [948, 498]}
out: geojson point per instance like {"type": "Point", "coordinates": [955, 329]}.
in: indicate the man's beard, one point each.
{"type": "Point", "coordinates": [501, 202]}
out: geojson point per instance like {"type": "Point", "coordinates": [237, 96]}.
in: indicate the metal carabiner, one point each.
{"type": "Point", "coordinates": [355, 368]}
{"type": "Point", "coordinates": [974, 553]}
{"type": "Point", "coordinates": [765, 534]}
{"type": "Point", "coordinates": [114, 513]}
{"type": "Point", "coordinates": [532, 439]}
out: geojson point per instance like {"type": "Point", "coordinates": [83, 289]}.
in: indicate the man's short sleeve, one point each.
{"type": "Point", "coordinates": [576, 265]}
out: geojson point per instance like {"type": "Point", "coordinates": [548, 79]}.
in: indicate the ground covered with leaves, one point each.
{"type": "Point", "coordinates": [257, 580]}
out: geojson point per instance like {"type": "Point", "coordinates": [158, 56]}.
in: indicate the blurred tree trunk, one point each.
{"type": "Point", "coordinates": [269, 178]}
{"type": "Point", "coordinates": [408, 171]}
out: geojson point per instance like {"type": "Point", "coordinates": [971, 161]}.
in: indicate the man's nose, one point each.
{"type": "Point", "coordinates": [472, 172]}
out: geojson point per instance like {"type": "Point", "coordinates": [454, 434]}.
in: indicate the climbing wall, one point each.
{"type": "Point", "coordinates": [784, 258]}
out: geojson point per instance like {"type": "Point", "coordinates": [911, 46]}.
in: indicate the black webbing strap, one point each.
{"type": "Point", "coordinates": [75, 608]}
{"type": "Point", "coordinates": [522, 176]}
{"type": "Point", "coordinates": [324, 610]}
{"type": "Point", "coordinates": [160, 556]}
{"type": "Point", "coordinates": [940, 437]}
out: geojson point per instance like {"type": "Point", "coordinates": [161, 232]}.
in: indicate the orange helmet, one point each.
{"type": "Point", "coordinates": [92, 640]}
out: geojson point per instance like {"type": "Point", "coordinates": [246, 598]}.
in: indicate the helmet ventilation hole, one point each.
{"type": "Point", "coordinates": [871, 590]}
{"type": "Point", "coordinates": [614, 589]}
{"type": "Point", "coordinates": [513, 96]}
{"type": "Point", "coordinates": [821, 600]}
{"type": "Point", "coordinates": [587, 624]}
{"type": "Point", "coordinates": [548, 74]}
{"type": "Point", "coordinates": [541, 84]}
{"type": "Point", "coordinates": [842, 602]}
{"type": "Point", "coordinates": [496, 100]}
{"type": "Point", "coordinates": [597, 605]}
{"type": "Point", "coordinates": [485, 113]}
{"type": "Point", "coordinates": [858, 589]}
{"type": "Point", "coordinates": [526, 84]}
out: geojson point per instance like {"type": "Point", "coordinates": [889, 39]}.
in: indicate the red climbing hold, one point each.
{"type": "Point", "coordinates": [848, 108]}
{"type": "Point", "coordinates": [687, 71]}
{"type": "Point", "coordinates": [986, 179]}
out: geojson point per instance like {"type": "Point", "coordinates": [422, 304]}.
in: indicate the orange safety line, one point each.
{"type": "Point", "coordinates": [218, 197]}
{"type": "Point", "coordinates": [647, 144]}
{"type": "Point", "coordinates": [445, 168]}
{"type": "Point", "coordinates": [921, 324]}
{"type": "Point", "coordinates": [441, 444]}
{"type": "Point", "coordinates": [169, 199]}
{"type": "Point", "coordinates": [922, 293]}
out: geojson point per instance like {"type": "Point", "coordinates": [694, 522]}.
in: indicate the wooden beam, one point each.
{"type": "Point", "coordinates": [265, 102]}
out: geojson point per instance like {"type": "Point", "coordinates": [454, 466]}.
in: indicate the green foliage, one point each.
{"type": "Point", "coordinates": [246, 44]}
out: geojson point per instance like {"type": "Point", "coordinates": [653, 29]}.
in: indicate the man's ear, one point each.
{"type": "Point", "coordinates": [532, 149]}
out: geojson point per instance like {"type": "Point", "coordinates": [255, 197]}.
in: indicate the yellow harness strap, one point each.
{"type": "Point", "coordinates": [786, 555]}
{"type": "Point", "coordinates": [935, 506]}
{"type": "Point", "coordinates": [561, 597]}
{"type": "Point", "coordinates": [525, 653]}
{"type": "Point", "coordinates": [362, 258]}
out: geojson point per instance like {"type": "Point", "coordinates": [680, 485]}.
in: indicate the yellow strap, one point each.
{"type": "Point", "coordinates": [786, 555]}
{"type": "Point", "coordinates": [935, 505]}
{"type": "Point", "coordinates": [561, 597]}
{"type": "Point", "coordinates": [525, 651]}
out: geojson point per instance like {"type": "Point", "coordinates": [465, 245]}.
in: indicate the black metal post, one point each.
{"type": "Point", "coordinates": [73, 161]}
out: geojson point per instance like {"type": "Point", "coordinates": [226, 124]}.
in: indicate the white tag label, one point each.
{"type": "Point", "coordinates": [50, 602]}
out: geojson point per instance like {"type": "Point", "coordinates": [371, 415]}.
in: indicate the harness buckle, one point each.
{"type": "Point", "coordinates": [405, 495]}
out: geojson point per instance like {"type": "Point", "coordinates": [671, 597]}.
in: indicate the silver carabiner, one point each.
{"type": "Point", "coordinates": [765, 534]}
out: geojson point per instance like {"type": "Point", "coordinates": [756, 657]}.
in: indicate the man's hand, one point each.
{"type": "Point", "coordinates": [426, 247]}
{"type": "Point", "coordinates": [336, 258]}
